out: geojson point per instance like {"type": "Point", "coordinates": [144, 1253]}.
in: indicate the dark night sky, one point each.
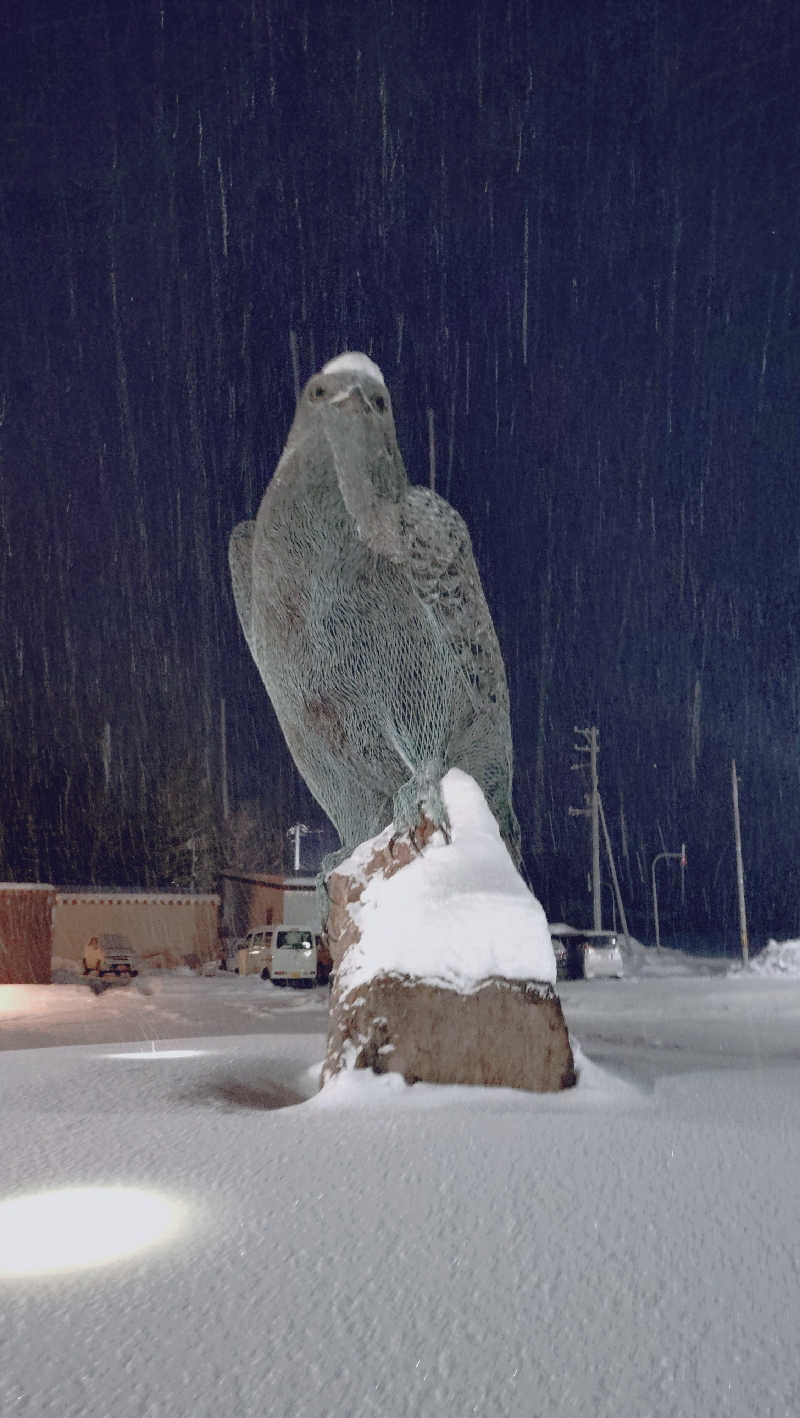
{"type": "Point", "coordinates": [569, 231]}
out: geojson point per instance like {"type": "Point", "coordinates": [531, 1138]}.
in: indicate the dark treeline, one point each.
{"type": "Point", "coordinates": [568, 232]}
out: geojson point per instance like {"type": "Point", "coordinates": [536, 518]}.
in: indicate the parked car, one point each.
{"type": "Point", "coordinates": [109, 954]}
{"type": "Point", "coordinates": [254, 956]}
{"type": "Point", "coordinates": [586, 955]}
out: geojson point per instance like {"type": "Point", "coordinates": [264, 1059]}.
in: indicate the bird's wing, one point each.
{"type": "Point", "coordinates": [439, 561]}
{"type": "Point", "coordinates": [240, 560]}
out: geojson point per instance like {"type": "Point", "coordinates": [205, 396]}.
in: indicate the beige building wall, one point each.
{"type": "Point", "coordinates": [164, 929]}
{"type": "Point", "coordinates": [263, 904]}
{"type": "Point", "coordinates": [253, 899]}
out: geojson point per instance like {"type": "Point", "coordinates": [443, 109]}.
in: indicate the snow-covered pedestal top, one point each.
{"type": "Point", "coordinates": [458, 914]}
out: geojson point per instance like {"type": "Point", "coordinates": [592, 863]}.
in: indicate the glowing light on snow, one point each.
{"type": "Point", "coordinates": [149, 1054]}
{"type": "Point", "coordinates": [9, 998]}
{"type": "Point", "coordinates": [26, 1001]}
{"type": "Point", "coordinates": [79, 1228]}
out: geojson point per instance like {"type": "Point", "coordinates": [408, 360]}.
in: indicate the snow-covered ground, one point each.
{"type": "Point", "coordinates": [629, 1248]}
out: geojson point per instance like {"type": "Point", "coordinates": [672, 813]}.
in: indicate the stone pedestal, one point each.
{"type": "Point", "coordinates": [504, 1034]}
{"type": "Point", "coordinates": [494, 1030]}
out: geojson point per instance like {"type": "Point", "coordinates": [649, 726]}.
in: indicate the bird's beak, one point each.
{"type": "Point", "coordinates": [352, 400]}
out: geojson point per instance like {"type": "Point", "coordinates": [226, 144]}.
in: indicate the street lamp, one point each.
{"type": "Point", "coordinates": [664, 856]}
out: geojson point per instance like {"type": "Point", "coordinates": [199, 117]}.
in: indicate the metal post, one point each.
{"type": "Point", "coordinates": [295, 364]}
{"type": "Point", "coordinates": [592, 810]}
{"type": "Point", "coordinates": [610, 886]}
{"type": "Point", "coordinates": [739, 868]}
{"type": "Point", "coordinates": [614, 877]}
{"type": "Point", "coordinates": [299, 830]}
{"type": "Point", "coordinates": [655, 899]}
{"type": "Point", "coordinates": [106, 754]}
{"type": "Point", "coordinates": [223, 738]}
{"type": "Point", "coordinates": [597, 899]}
{"type": "Point", "coordinates": [661, 857]}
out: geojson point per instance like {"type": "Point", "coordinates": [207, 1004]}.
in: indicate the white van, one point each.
{"type": "Point", "coordinates": [294, 955]}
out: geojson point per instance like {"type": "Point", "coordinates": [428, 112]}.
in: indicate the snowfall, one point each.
{"type": "Point", "coordinates": [189, 1228]}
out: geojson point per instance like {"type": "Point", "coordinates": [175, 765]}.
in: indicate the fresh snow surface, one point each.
{"type": "Point", "coordinates": [455, 915]}
{"type": "Point", "coordinates": [354, 362]}
{"type": "Point", "coordinates": [180, 1245]}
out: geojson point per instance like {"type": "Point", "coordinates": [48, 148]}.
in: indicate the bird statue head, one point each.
{"type": "Point", "coordinates": [345, 412]}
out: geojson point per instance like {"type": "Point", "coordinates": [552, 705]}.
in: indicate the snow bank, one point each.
{"type": "Point", "coordinates": [457, 914]}
{"type": "Point", "coordinates": [781, 957]}
{"type": "Point", "coordinates": [355, 363]}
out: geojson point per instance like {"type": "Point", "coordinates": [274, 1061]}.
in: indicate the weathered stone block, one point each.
{"type": "Point", "coordinates": [504, 1033]}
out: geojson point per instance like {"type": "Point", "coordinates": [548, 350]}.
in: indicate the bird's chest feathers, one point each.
{"type": "Point", "coordinates": [314, 575]}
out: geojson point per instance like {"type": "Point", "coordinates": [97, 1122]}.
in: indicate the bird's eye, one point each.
{"type": "Point", "coordinates": [380, 403]}
{"type": "Point", "coordinates": [318, 392]}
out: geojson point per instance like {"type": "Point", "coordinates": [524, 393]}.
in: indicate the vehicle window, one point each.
{"type": "Point", "coordinates": [294, 940]}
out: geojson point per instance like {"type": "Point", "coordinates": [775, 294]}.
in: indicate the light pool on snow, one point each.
{"type": "Point", "coordinates": [78, 1228]}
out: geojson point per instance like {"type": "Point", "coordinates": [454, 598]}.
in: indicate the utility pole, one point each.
{"type": "Point", "coordinates": [191, 845]}
{"type": "Point", "coordinates": [739, 869]}
{"type": "Point", "coordinates": [223, 743]}
{"type": "Point", "coordinates": [106, 750]}
{"type": "Point", "coordinates": [299, 830]}
{"type": "Point", "coordinates": [592, 810]}
{"type": "Point", "coordinates": [295, 364]}
{"type": "Point", "coordinates": [614, 877]}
